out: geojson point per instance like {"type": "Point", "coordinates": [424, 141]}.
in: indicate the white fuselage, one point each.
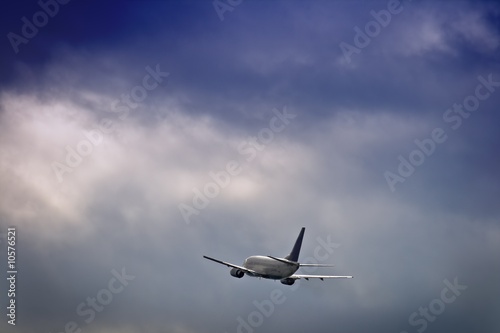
{"type": "Point", "coordinates": [270, 268]}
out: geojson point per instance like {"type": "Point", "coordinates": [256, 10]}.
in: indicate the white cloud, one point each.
{"type": "Point", "coordinates": [476, 30]}
{"type": "Point", "coordinates": [427, 30]}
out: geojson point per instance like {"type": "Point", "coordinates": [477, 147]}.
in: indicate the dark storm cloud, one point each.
{"type": "Point", "coordinates": [283, 61]}
{"type": "Point", "coordinates": [119, 207]}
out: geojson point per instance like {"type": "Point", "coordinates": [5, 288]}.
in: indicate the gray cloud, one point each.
{"type": "Point", "coordinates": [118, 207]}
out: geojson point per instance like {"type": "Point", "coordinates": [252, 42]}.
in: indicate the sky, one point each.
{"type": "Point", "coordinates": [138, 136]}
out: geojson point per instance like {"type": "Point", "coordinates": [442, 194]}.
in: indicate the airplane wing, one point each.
{"type": "Point", "coordinates": [321, 277]}
{"type": "Point", "coordinates": [241, 268]}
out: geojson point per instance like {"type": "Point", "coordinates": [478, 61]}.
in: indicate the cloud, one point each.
{"type": "Point", "coordinates": [126, 207]}
{"type": "Point", "coordinates": [428, 32]}
{"type": "Point", "coordinates": [117, 206]}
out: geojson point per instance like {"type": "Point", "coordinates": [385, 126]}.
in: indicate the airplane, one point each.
{"type": "Point", "coordinates": [274, 268]}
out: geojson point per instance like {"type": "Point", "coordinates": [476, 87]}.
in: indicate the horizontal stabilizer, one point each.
{"type": "Point", "coordinates": [316, 265]}
{"type": "Point", "coordinates": [321, 277]}
{"type": "Point", "coordinates": [286, 261]}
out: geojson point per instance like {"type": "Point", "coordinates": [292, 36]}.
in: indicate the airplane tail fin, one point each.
{"type": "Point", "coordinates": [294, 255]}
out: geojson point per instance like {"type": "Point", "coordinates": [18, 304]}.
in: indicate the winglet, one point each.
{"type": "Point", "coordinates": [294, 255]}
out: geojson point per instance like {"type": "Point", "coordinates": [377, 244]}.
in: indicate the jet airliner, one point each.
{"type": "Point", "coordinates": [274, 268]}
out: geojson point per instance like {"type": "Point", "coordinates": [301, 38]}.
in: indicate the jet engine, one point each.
{"type": "Point", "coordinates": [237, 273]}
{"type": "Point", "coordinates": [288, 281]}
